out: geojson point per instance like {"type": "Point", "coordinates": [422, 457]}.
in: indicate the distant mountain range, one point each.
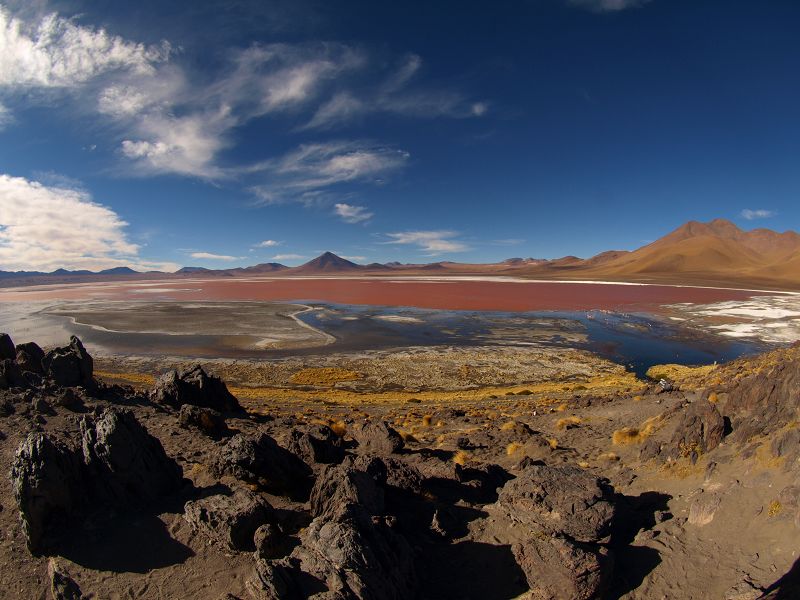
{"type": "Point", "coordinates": [714, 253]}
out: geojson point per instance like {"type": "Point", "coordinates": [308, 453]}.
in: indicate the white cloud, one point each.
{"type": "Point", "coordinates": [45, 228]}
{"type": "Point", "coordinates": [288, 257]}
{"type": "Point", "coordinates": [431, 242]}
{"type": "Point", "coordinates": [267, 244]}
{"type": "Point", "coordinates": [305, 174]}
{"type": "Point", "coordinates": [184, 145]}
{"type": "Point", "coordinates": [211, 256]}
{"type": "Point", "coordinates": [352, 214]}
{"type": "Point", "coordinates": [607, 5]}
{"type": "Point", "coordinates": [55, 52]}
{"type": "Point", "coordinates": [760, 213]}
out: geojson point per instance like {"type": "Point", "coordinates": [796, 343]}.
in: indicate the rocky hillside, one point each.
{"type": "Point", "coordinates": [230, 504]}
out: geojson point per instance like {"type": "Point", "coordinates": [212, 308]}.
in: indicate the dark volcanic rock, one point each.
{"type": "Point", "coordinates": [196, 387]}
{"type": "Point", "coordinates": [559, 569]}
{"type": "Point", "coordinates": [127, 465]}
{"type": "Point", "coordinates": [48, 486]}
{"type": "Point", "coordinates": [317, 444]}
{"type": "Point", "coordinates": [62, 586]}
{"type": "Point", "coordinates": [30, 357]}
{"type": "Point", "coordinates": [268, 540]}
{"type": "Point", "coordinates": [7, 350]}
{"type": "Point", "coordinates": [356, 482]}
{"type": "Point", "coordinates": [69, 365]}
{"type": "Point", "coordinates": [205, 419]}
{"type": "Point", "coordinates": [10, 374]}
{"type": "Point", "coordinates": [376, 437]}
{"type": "Point", "coordinates": [261, 460]}
{"type": "Point", "coordinates": [229, 520]}
{"type": "Point", "coordinates": [349, 548]}
{"type": "Point", "coordinates": [700, 430]}
{"type": "Point", "coordinates": [559, 500]}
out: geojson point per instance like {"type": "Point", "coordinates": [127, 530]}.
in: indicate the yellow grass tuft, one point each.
{"type": "Point", "coordinates": [567, 423]}
{"type": "Point", "coordinates": [512, 448]}
{"type": "Point", "coordinates": [608, 456]}
{"type": "Point", "coordinates": [636, 435]}
{"type": "Point", "coordinates": [553, 443]}
{"type": "Point", "coordinates": [583, 464]}
{"type": "Point", "coordinates": [461, 457]}
{"type": "Point", "coordinates": [426, 420]}
{"type": "Point", "coordinates": [561, 407]}
{"type": "Point", "coordinates": [712, 397]}
{"type": "Point", "coordinates": [339, 428]}
{"type": "Point", "coordinates": [774, 509]}
{"type": "Point", "coordinates": [407, 436]}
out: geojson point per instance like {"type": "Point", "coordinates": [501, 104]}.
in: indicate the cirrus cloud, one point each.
{"type": "Point", "coordinates": [431, 242]}
{"type": "Point", "coordinates": [352, 214]}
{"type": "Point", "coordinates": [760, 213]}
{"type": "Point", "coordinates": [212, 256]}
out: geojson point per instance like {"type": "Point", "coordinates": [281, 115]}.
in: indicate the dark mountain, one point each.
{"type": "Point", "coordinates": [118, 271]}
{"type": "Point", "coordinates": [328, 263]}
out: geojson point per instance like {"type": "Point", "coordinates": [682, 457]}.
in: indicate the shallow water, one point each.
{"type": "Point", "coordinates": [635, 340]}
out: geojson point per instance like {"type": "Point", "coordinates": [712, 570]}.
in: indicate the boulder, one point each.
{"type": "Point", "coordinates": [269, 541]}
{"type": "Point", "coordinates": [206, 420]}
{"type": "Point", "coordinates": [70, 365]}
{"type": "Point", "coordinates": [47, 480]}
{"type": "Point", "coordinates": [354, 483]}
{"type": "Point", "coordinates": [10, 374]}
{"type": "Point", "coordinates": [62, 586]}
{"type": "Point", "coordinates": [559, 500]}
{"type": "Point", "coordinates": [230, 521]}
{"type": "Point", "coordinates": [127, 466]}
{"type": "Point", "coordinates": [7, 350]}
{"type": "Point", "coordinates": [29, 357]}
{"type": "Point", "coordinates": [376, 437]}
{"type": "Point", "coordinates": [316, 445]}
{"type": "Point", "coordinates": [195, 387]}
{"type": "Point", "coordinates": [260, 460]}
{"type": "Point", "coordinates": [559, 569]}
{"type": "Point", "coordinates": [700, 430]}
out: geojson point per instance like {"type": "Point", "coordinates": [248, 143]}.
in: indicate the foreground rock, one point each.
{"type": "Point", "coordinates": [376, 437]}
{"type": "Point", "coordinates": [69, 365]}
{"type": "Point", "coordinates": [207, 420]}
{"type": "Point", "coordinates": [316, 445]}
{"type": "Point", "coordinates": [260, 460]}
{"type": "Point", "coordinates": [350, 546]}
{"type": "Point", "coordinates": [49, 488]}
{"type": "Point", "coordinates": [230, 521]}
{"type": "Point", "coordinates": [119, 464]}
{"type": "Point", "coordinates": [195, 387]}
{"type": "Point", "coordinates": [563, 514]}
{"type": "Point", "coordinates": [126, 465]}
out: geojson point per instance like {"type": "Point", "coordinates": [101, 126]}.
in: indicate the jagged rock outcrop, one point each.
{"type": "Point", "coordinates": [69, 365]}
{"type": "Point", "coordinates": [260, 460]}
{"type": "Point", "coordinates": [127, 465]}
{"type": "Point", "coordinates": [559, 500]}
{"type": "Point", "coordinates": [48, 482]}
{"type": "Point", "coordinates": [195, 387]}
{"type": "Point", "coordinates": [317, 444]}
{"type": "Point", "coordinates": [349, 546]}
{"type": "Point", "coordinates": [118, 464]}
{"type": "Point", "coordinates": [206, 420]}
{"type": "Point", "coordinates": [230, 521]}
{"type": "Point", "coordinates": [376, 437]}
{"type": "Point", "coordinates": [557, 568]}
{"type": "Point", "coordinates": [563, 514]}
{"type": "Point", "coordinates": [29, 357]}
{"type": "Point", "coordinates": [7, 349]}
{"type": "Point", "coordinates": [10, 374]}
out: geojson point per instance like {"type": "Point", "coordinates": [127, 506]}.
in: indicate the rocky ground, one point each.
{"type": "Point", "coordinates": [355, 479]}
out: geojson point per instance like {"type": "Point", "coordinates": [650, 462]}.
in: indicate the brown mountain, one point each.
{"type": "Point", "coordinates": [711, 253]}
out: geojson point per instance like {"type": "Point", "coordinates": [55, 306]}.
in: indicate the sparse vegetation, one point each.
{"type": "Point", "coordinates": [568, 422]}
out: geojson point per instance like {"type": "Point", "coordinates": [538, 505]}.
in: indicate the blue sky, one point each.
{"type": "Point", "coordinates": [237, 131]}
